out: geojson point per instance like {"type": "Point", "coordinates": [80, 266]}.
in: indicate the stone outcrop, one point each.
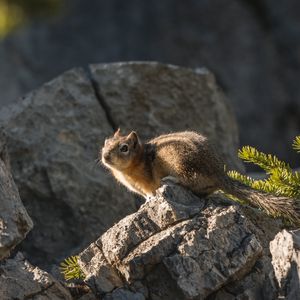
{"type": "Point", "coordinates": [176, 246]}
{"type": "Point", "coordinates": [285, 250]}
{"type": "Point", "coordinates": [20, 280]}
{"type": "Point", "coordinates": [54, 134]}
{"type": "Point", "coordinates": [14, 220]}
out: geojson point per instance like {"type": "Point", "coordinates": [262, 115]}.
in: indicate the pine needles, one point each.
{"type": "Point", "coordinates": [296, 144]}
{"type": "Point", "coordinates": [70, 268]}
{"type": "Point", "coordinates": [281, 179]}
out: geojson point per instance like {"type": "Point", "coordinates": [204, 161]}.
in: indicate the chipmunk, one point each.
{"type": "Point", "coordinates": [186, 158]}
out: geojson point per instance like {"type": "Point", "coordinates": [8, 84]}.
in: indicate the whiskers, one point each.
{"type": "Point", "coordinates": [95, 164]}
{"type": "Point", "coordinates": [98, 161]}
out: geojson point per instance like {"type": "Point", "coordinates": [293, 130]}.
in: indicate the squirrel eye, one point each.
{"type": "Point", "coordinates": [124, 148]}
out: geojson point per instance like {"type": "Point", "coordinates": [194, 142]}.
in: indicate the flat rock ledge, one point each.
{"type": "Point", "coordinates": [176, 246]}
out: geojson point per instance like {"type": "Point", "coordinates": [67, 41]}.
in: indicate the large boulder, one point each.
{"type": "Point", "coordinates": [55, 132]}
{"type": "Point", "coordinates": [14, 220]}
{"type": "Point", "coordinates": [20, 280]}
{"type": "Point", "coordinates": [176, 246]}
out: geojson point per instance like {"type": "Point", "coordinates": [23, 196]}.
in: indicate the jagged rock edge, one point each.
{"type": "Point", "coordinates": [94, 287]}
{"type": "Point", "coordinates": [98, 243]}
{"type": "Point", "coordinates": [158, 232]}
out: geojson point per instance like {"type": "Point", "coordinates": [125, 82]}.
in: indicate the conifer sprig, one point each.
{"type": "Point", "coordinates": [281, 179]}
{"type": "Point", "coordinates": [71, 269]}
{"type": "Point", "coordinates": [267, 162]}
{"type": "Point", "coordinates": [296, 144]}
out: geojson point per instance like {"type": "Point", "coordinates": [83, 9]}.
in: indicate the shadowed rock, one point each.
{"type": "Point", "coordinates": [14, 220]}
{"type": "Point", "coordinates": [20, 280]}
{"type": "Point", "coordinates": [53, 140]}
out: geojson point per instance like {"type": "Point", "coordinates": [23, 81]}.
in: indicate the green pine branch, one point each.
{"type": "Point", "coordinates": [71, 269]}
{"type": "Point", "coordinates": [281, 179]}
{"type": "Point", "coordinates": [260, 185]}
{"type": "Point", "coordinates": [267, 162]}
{"type": "Point", "coordinates": [296, 144]}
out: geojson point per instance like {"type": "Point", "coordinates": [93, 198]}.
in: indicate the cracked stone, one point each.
{"type": "Point", "coordinates": [101, 276]}
{"type": "Point", "coordinates": [210, 258]}
{"type": "Point", "coordinates": [152, 217]}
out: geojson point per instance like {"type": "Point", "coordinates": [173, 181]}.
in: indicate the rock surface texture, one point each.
{"type": "Point", "coordinates": [14, 220]}
{"type": "Point", "coordinates": [54, 134]}
{"type": "Point", "coordinates": [285, 250]}
{"type": "Point", "coordinates": [20, 280]}
{"type": "Point", "coordinates": [176, 246]}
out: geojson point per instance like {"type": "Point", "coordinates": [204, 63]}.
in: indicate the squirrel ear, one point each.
{"type": "Point", "coordinates": [134, 137]}
{"type": "Point", "coordinates": [117, 133]}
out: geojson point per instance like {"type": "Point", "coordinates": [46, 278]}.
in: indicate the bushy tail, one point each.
{"type": "Point", "coordinates": [276, 206]}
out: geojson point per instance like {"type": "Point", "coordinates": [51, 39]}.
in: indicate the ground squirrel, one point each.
{"type": "Point", "coordinates": [186, 158]}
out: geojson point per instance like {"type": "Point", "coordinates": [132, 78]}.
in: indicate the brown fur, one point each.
{"type": "Point", "coordinates": [186, 156]}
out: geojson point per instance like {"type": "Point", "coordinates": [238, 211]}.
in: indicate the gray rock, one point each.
{"type": "Point", "coordinates": [259, 283]}
{"type": "Point", "coordinates": [224, 250]}
{"type": "Point", "coordinates": [88, 296]}
{"type": "Point", "coordinates": [198, 249]}
{"type": "Point", "coordinates": [100, 275]}
{"type": "Point", "coordinates": [153, 98]}
{"type": "Point", "coordinates": [14, 220]}
{"type": "Point", "coordinates": [123, 294]}
{"type": "Point", "coordinates": [20, 280]}
{"type": "Point", "coordinates": [285, 250]}
{"type": "Point", "coordinates": [53, 140]}
{"type": "Point", "coordinates": [99, 259]}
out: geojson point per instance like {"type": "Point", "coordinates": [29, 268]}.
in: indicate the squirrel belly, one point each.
{"type": "Point", "coordinates": [186, 158]}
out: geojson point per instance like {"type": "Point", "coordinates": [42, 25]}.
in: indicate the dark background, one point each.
{"type": "Point", "coordinates": [253, 48]}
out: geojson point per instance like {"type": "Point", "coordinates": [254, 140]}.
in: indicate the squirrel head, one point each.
{"type": "Point", "coordinates": [120, 152]}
